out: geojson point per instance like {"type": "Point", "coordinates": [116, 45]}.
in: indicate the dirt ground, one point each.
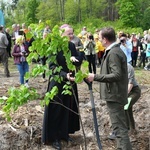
{"type": "Point", "coordinates": [24, 131]}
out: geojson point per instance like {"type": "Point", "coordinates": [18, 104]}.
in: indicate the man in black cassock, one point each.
{"type": "Point", "coordinates": [59, 121]}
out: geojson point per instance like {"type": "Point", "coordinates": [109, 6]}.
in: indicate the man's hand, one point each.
{"type": "Point", "coordinates": [69, 77]}
{"type": "Point", "coordinates": [90, 77]}
{"type": "Point", "coordinates": [73, 59]}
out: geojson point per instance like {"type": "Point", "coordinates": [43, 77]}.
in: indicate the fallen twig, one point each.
{"type": "Point", "coordinates": [31, 134]}
{"type": "Point", "coordinates": [12, 127]}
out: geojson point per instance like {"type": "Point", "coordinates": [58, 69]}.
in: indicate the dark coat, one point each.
{"type": "Point", "coordinates": [58, 121]}
{"type": "Point", "coordinates": [9, 42]}
{"type": "Point", "coordinates": [113, 76]}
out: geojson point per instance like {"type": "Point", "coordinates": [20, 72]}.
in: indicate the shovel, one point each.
{"type": "Point", "coordinates": [94, 114]}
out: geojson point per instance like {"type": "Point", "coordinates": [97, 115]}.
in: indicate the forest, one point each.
{"type": "Point", "coordinates": [122, 14]}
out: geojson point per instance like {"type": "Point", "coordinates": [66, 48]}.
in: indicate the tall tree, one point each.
{"type": "Point", "coordinates": [146, 19]}
{"type": "Point", "coordinates": [20, 12]}
{"type": "Point", "coordinates": [61, 5]}
{"type": "Point", "coordinates": [31, 11]}
{"type": "Point", "coordinates": [128, 12]}
{"type": "Point", "coordinates": [71, 11]}
{"type": "Point", "coordinates": [49, 10]}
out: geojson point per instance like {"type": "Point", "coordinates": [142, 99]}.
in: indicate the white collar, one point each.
{"type": "Point", "coordinates": [110, 46]}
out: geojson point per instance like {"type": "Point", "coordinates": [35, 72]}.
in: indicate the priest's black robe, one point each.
{"type": "Point", "coordinates": [58, 121]}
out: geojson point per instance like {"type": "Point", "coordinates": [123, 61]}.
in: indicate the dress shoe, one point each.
{"type": "Point", "coordinates": [57, 144]}
{"type": "Point", "coordinates": [69, 139]}
{"type": "Point", "coordinates": [8, 75]}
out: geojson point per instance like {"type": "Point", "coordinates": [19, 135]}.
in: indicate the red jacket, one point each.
{"type": "Point", "coordinates": [17, 53]}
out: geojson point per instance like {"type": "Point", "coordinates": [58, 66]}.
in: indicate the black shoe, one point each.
{"type": "Point", "coordinates": [7, 75]}
{"type": "Point", "coordinates": [57, 144]}
{"type": "Point", "coordinates": [69, 139]}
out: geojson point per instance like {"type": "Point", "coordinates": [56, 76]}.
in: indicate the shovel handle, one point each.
{"type": "Point", "coordinates": [88, 83]}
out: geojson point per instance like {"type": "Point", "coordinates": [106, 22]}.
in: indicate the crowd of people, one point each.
{"type": "Point", "coordinates": [136, 47]}
{"type": "Point", "coordinates": [116, 54]}
{"type": "Point", "coordinates": [15, 45]}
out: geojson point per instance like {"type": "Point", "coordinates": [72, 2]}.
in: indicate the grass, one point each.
{"type": "Point", "coordinates": [142, 76]}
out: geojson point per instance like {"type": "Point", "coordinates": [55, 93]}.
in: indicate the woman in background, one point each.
{"type": "Point", "coordinates": [20, 52]}
{"type": "Point", "coordinates": [90, 53]}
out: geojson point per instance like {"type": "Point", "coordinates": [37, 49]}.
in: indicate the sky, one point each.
{"type": "Point", "coordinates": [8, 1]}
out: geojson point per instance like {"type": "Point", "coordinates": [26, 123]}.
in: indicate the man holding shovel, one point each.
{"type": "Point", "coordinates": [113, 80]}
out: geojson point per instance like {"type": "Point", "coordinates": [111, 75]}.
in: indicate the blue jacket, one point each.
{"type": "Point", "coordinates": [148, 50]}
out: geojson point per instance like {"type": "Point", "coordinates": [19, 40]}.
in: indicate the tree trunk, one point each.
{"type": "Point", "coordinates": [79, 11]}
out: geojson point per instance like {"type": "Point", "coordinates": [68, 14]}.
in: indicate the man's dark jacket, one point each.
{"type": "Point", "coordinates": [113, 76]}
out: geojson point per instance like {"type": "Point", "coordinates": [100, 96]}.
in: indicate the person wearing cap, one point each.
{"type": "Point", "coordinates": [3, 52]}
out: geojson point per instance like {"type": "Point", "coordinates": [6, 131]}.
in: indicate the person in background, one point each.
{"type": "Point", "coordinates": [15, 33]}
{"type": "Point", "coordinates": [47, 29]}
{"type": "Point", "coordinates": [128, 36]}
{"type": "Point", "coordinates": [143, 53]}
{"type": "Point", "coordinates": [90, 52]}
{"type": "Point", "coordinates": [147, 67]}
{"type": "Point", "coordinates": [96, 32]}
{"type": "Point", "coordinates": [24, 28]}
{"type": "Point", "coordinates": [99, 50]}
{"type": "Point", "coordinates": [61, 114]}
{"type": "Point", "coordinates": [113, 80]}
{"type": "Point", "coordinates": [20, 52]}
{"type": "Point", "coordinates": [139, 36]}
{"type": "Point", "coordinates": [134, 93]}
{"type": "Point", "coordinates": [18, 27]}
{"type": "Point", "coordinates": [82, 38]}
{"type": "Point", "coordinates": [7, 31]}
{"type": "Point", "coordinates": [77, 41]}
{"type": "Point", "coordinates": [126, 46]}
{"type": "Point", "coordinates": [44, 58]}
{"type": "Point", "coordinates": [119, 33]}
{"type": "Point", "coordinates": [3, 52]}
{"type": "Point", "coordinates": [84, 31]}
{"type": "Point", "coordinates": [136, 52]}
{"type": "Point", "coordinates": [78, 44]}
{"type": "Point", "coordinates": [145, 34]}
